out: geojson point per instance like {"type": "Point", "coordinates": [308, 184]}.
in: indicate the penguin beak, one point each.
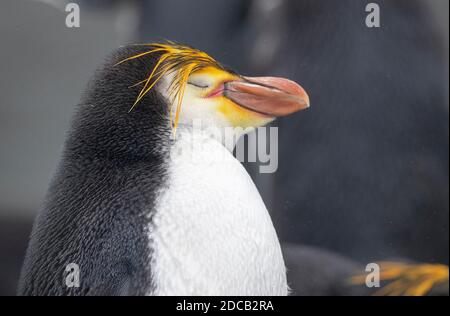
{"type": "Point", "coordinates": [269, 96]}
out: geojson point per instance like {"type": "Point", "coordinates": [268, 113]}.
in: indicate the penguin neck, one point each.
{"type": "Point", "coordinates": [195, 147]}
{"type": "Point", "coordinates": [195, 136]}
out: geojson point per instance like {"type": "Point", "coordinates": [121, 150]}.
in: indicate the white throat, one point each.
{"type": "Point", "coordinates": [211, 232]}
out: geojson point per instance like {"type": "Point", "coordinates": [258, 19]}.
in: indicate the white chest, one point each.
{"type": "Point", "coordinates": [211, 233]}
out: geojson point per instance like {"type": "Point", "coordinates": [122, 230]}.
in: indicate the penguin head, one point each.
{"type": "Point", "coordinates": [197, 87]}
{"type": "Point", "coordinates": [143, 93]}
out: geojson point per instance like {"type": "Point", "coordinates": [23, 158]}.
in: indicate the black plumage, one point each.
{"type": "Point", "coordinates": [99, 204]}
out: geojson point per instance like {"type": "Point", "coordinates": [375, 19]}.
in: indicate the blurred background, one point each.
{"type": "Point", "coordinates": [363, 174]}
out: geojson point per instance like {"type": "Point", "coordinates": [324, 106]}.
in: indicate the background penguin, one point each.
{"type": "Point", "coordinates": [314, 271]}
{"type": "Point", "coordinates": [137, 218]}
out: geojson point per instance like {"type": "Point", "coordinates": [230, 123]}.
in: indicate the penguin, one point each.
{"type": "Point", "coordinates": [145, 201]}
{"type": "Point", "coordinates": [314, 271]}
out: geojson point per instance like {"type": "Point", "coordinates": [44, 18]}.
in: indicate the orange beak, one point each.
{"type": "Point", "coordinates": [269, 96]}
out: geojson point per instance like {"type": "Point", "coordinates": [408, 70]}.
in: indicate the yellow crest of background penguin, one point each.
{"type": "Point", "coordinates": [137, 221]}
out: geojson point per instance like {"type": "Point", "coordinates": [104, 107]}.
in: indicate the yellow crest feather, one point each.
{"type": "Point", "coordinates": [180, 59]}
{"type": "Point", "coordinates": [407, 279]}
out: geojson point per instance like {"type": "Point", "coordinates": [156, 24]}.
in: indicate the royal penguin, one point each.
{"type": "Point", "coordinates": [146, 200]}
